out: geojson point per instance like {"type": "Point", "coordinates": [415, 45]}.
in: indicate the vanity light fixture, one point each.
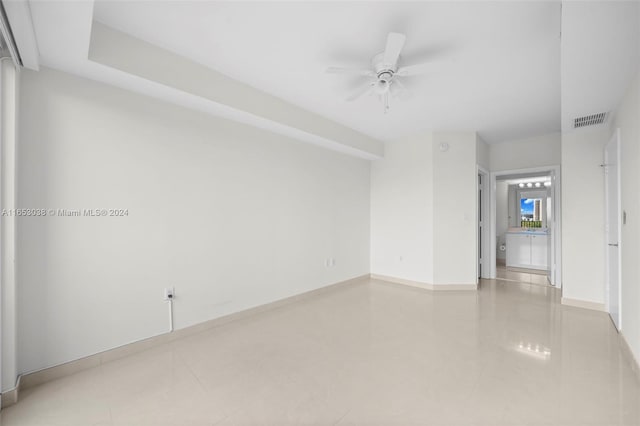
{"type": "Point", "coordinates": [536, 184]}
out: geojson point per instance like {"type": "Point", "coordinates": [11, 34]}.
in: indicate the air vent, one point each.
{"type": "Point", "coordinates": [589, 120]}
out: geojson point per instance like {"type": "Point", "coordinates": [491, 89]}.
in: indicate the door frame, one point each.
{"type": "Point", "coordinates": [486, 225]}
{"type": "Point", "coordinates": [557, 211]}
{"type": "Point", "coordinates": [614, 138]}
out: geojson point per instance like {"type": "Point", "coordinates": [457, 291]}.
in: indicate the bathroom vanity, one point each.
{"type": "Point", "coordinates": [527, 248]}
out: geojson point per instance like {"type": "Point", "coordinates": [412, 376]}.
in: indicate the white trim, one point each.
{"type": "Point", "coordinates": [9, 81]}
{"type": "Point", "coordinates": [19, 17]}
{"type": "Point", "coordinates": [7, 36]}
{"type": "Point", "coordinates": [425, 286]}
{"type": "Point", "coordinates": [395, 280]}
{"type": "Point", "coordinates": [585, 304]}
{"type": "Point", "coordinates": [486, 228]}
{"type": "Point", "coordinates": [10, 397]}
{"type": "Point", "coordinates": [557, 231]}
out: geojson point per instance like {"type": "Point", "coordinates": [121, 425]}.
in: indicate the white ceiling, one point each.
{"type": "Point", "coordinates": [65, 30]}
{"type": "Point", "coordinates": [495, 64]}
{"type": "Point", "coordinates": [600, 56]}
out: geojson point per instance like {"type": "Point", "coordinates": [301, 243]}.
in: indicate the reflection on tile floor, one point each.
{"type": "Point", "coordinates": [522, 275]}
{"type": "Point", "coordinates": [367, 354]}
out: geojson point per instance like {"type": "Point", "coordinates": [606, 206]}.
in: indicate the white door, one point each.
{"type": "Point", "coordinates": [612, 226]}
{"type": "Point", "coordinates": [551, 225]}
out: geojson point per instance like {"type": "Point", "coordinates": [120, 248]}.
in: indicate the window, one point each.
{"type": "Point", "coordinates": [531, 212]}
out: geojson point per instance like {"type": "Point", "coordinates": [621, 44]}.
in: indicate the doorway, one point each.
{"type": "Point", "coordinates": [525, 224]}
{"type": "Point", "coordinates": [613, 225]}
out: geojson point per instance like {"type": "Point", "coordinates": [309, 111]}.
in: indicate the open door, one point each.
{"type": "Point", "coordinates": [613, 224]}
{"type": "Point", "coordinates": [483, 229]}
{"type": "Point", "coordinates": [480, 223]}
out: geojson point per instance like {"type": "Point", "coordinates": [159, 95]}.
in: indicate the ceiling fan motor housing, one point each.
{"type": "Point", "coordinates": [385, 76]}
{"type": "Point", "coordinates": [383, 68]}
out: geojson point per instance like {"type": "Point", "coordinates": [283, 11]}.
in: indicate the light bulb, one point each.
{"type": "Point", "coordinates": [521, 185]}
{"type": "Point", "coordinates": [537, 184]}
{"type": "Point", "coordinates": [529, 185]}
{"type": "Point", "coordinates": [547, 183]}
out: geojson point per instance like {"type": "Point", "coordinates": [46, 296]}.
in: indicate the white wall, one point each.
{"type": "Point", "coordinates": [526, 153]}
{"type": "Point", "coordinates": [583, 249]}
{"type": "Point", "coordinates": [423, 209]}
{"type": "Point", "coordinates": [626, 118]}
{"type": "Point", "coordinates": [483, 153]}
{"type": "Point", "coordinates": [229, 215]}
{"type": "Point", "coordinates": [502, 217]}
{"type": "Point", "coordinates": [402, 210]}
{"type": "Point", "coordinates": [455, 248]}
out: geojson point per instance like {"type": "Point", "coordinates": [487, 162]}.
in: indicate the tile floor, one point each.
{"type": "Point", "coordinates": [368, 354]}
{"type": "Point", "coordinates": [521, 275]}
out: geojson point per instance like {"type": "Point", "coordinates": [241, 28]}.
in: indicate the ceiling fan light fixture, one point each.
{"type": "Point", "coordinates": [385, 71]}
{"type": "Point", "coordinates": [381, 87]}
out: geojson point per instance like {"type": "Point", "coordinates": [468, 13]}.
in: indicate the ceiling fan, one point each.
{"type": "Point", "coordinates": [385, 74]}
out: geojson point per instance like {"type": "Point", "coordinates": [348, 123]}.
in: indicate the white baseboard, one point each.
{"type": "Point", "coordinates": [45, 375]}
{"type": "Point", "coordinates": [418, 284]}
{"type": "Point", "coordinates": [425, 286]}
{"type": "Point", "coordinates": [577, 303]}
{"type": "Point", "coordinates": [628, 353]}
{"type": "Point", "coordinates": [10, 397]}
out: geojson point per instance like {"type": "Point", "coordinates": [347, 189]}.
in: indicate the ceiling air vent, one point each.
{"type": "Point", "coordinates": [589, 120]}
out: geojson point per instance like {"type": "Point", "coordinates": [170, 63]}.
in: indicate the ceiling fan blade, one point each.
{"type": "Point", "coordinates": [398, 84]}
{"type": "Point", "coordinates": [352, 71]}
{"type": "Point", "coordinates": [410, 70]}
{"type": "Point", "coordinates": [399, 90]}
{"type": "Point", "coordinates": [395, 43]}
{"type": "Point", "coordinates": [367, 88]}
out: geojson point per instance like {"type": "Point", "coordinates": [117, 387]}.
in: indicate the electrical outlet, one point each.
{"type": "Point", "coordinates": [169, 293]}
